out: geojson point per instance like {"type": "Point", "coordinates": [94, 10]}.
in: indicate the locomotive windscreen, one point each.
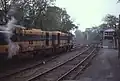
{"type": "Point", "coordinates": [3, 38]}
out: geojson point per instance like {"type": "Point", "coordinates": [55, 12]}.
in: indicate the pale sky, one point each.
{"type": "Point", "coordinates": [88, 13]}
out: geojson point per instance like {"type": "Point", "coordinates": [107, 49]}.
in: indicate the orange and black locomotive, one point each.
{"type": "Point", "coordinates": [32, 42]}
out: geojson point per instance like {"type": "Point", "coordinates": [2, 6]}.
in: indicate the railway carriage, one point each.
{"type": "Point", "coordinates": [34, 42]}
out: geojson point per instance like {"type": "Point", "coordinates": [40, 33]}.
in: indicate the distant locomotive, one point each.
{"type": "Point", "coordinates": [32, 42]}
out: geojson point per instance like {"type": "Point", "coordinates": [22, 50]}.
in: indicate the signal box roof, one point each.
{"type": "Point", "coordinates": [109, 30]}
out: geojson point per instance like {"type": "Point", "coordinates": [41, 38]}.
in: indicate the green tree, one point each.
{"type": "Point", "coordinates": [92, 34]}
{"type": "Point", "coordinates": [57, 19]}
{"type": "Point", "coordinates": [4, 7]}
{"type": "Point", "coordinates": [25, 9]}
{"type": "Point", "coordinates": [111, 20]}
{"type": "Point", "coordinates": [103, 26]}
{"type": "Point", "coordinates": [38, 14]}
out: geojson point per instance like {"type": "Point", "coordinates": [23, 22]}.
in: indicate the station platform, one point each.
{"type": "Point", "coordinates": [105, 67]}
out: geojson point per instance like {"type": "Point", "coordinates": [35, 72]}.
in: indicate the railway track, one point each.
{"type": "Point", "coordinates": [60, 71]}
{"type": "Point", "coordinates": [77, 69]}
{"type": "Point", "coordinates": [27, 68]}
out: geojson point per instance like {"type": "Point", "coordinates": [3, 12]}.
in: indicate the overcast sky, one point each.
{"type": "Point", "coordinates": [88, 13]}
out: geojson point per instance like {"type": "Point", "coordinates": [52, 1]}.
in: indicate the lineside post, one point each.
{"type": "Point", "coordinates": [119, 38]}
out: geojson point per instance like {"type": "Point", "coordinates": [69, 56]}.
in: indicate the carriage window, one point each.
{"type": "Point", "coordinates": [69, 38]}
{"type": "Point", "coordinates": [30, 42]}
{"type": "Point", "coordinates": [53, 39]}
{"type": "Point", "coordinates": [58, 38]}
{"type": "Point", "coordinates": [47, 39]}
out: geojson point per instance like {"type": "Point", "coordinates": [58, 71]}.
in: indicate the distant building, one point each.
{"type": "Point", "coordinates": [108, 33]}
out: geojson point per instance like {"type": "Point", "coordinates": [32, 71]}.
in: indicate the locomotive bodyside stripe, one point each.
{"type": "Point", "coordinates": [38, 38]}
{"type": "Point", "coordinates": [3, 49]}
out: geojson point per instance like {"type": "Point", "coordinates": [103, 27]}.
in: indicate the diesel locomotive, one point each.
{"type": "Point", "coordinates": [31, 42]}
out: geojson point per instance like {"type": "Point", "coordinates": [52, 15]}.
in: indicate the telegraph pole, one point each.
{"type": "Point", "coordinates": [119, 38]}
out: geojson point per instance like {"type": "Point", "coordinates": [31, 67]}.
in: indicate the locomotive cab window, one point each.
{"type": "Point", "coordinates": [14, 36]}
{"type": "Point", "coordinates": [3, 39]}
{"type": "Point", "coordinates": [14, 31]}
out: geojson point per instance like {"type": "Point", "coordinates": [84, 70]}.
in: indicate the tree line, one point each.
{"type": "Point", "coordinates": [109, 21]}
{"type": "Point", "coordinates": [41, 14]}
{"type": "Point", "coordinates": [95, 32]}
